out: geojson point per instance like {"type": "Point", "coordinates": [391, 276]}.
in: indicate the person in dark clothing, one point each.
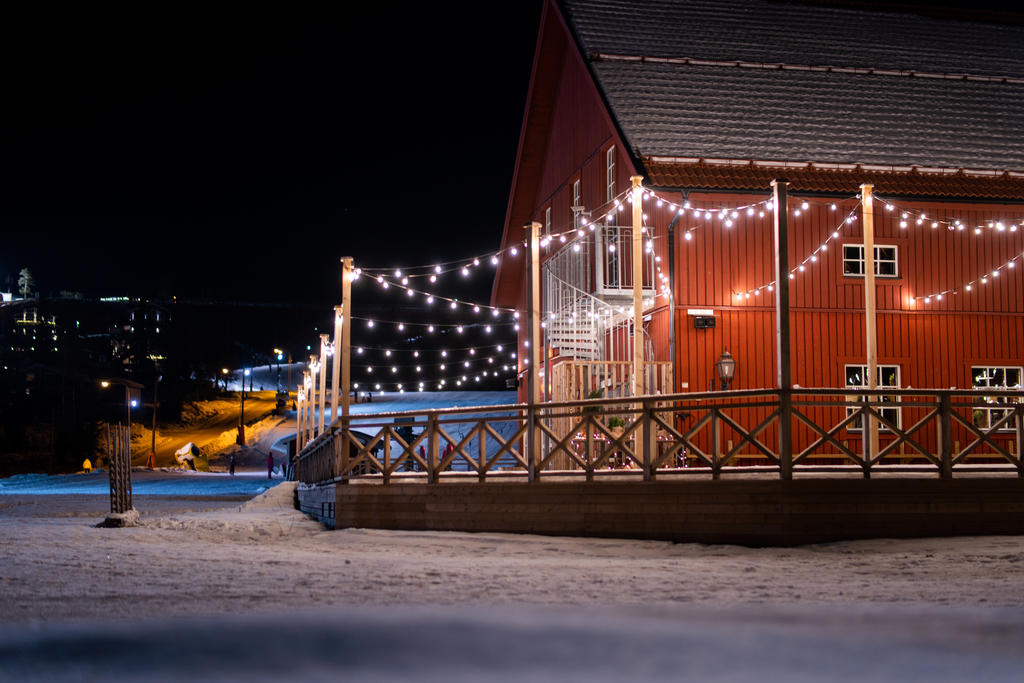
{"type": "Point", "coordinates": [231, 465]}
{"type": "Point", "coordinates": [270, 465]}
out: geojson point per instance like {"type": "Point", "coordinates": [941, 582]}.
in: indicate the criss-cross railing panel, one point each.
{"type": "Point", "coordinates": [669, 435]}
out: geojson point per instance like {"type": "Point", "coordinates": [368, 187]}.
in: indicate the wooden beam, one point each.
{"type": "Point", "coordinates": [870, 313]}
{"type": "Point", "coordinates": [346, 352]}
{"type": "Point", "coordinates": [533, 312]}
{"type": "Point", "coordinates": [784, 375]}
{"type": "Point", "coordinates": [638, 283]}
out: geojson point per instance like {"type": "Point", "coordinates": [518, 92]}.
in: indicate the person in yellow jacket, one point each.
{"type": "Point", "coordinates": [87, 465]}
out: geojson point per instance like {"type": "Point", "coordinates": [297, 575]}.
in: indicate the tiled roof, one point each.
{"type": "Point", "coordinates": [838, 181]}
{"type": "Point", "coordinates": [691, 101]}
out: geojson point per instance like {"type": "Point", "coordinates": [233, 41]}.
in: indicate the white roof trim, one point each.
{"type": "Point", "coordinates": [759, 163]}
{"type": "Point", "coordinates": [868, 71]}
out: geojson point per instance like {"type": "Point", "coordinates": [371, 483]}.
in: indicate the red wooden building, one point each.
{"type": "Point", "coordinates": [709, 101]}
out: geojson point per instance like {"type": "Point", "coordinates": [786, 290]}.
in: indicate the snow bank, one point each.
{"type": "Point", "coordinates": [281, 497]}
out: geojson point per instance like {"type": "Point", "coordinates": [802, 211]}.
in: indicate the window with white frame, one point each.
{"type": "Point", "coordinates": [995, 377]}
{"type": "Point", "coordinates": [609, 175]}
{"type": "Point", "coordinates": [885, 260]}
{"type": "Point", "coordinates": [547, 221]}
{"type": "Point", "coordinates": [575, 208]}
{"type": "Point", "coordinates": [888, 377]}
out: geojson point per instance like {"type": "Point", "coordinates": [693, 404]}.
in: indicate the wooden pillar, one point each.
{"type": "Point", "coordinates": [299, 408]}
{"type": "Point", "coordinates": [322, 399]}
{"type": "Point", "coordinates": [336, 363]}
{"type": "Point", "coordinates": [304, 414]}
{"type": "Point", "coordinates": [870, 314]}
{"type": "Point", "coordinates": [533, 312]}
{"type": "Point", "coordinates": [345, 353]}
{"type": "Point", "coordinates": [638, 284]}
{"type": "Point", "coordinates": [314, 374]}
{"type": "Point", "coordinates": [784, 378]}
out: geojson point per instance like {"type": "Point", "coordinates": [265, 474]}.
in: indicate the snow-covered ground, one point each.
{"type": "Point", "coordinates": [207, 588]}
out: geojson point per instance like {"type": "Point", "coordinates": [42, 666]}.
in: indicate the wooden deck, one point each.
{"type": "Point", "coordinates": [752, 509]}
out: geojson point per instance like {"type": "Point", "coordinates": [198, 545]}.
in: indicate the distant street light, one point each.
{"type": "Point", "coordinates": [131, 389]}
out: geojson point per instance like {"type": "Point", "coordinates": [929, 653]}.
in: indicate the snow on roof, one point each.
{"type": "Point", "coordinates": [758, 80]}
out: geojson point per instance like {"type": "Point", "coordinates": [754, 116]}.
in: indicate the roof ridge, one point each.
{"type": "Point", "coordinates": [779, 66]}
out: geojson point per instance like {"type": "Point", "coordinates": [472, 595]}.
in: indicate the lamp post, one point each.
{"type": "Point", "coordinates": [151, 462]}
{"type": "Point", "coordinates": [129, 401]}
{"type": "Point", "coordinates": [241, 412]}
{"type": "Point", "coordinates": [726, 368]}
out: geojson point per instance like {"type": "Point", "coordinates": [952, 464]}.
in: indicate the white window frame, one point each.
{"type": "Point", "coordinates": [575, 203]}
{"type": "Point", "coordinates": [547, 221]}
{"type": "Point", "coordinates": [859, 259]}
{"type": "Point", "coordinates": [984, 418]}
{"type": "Point", "coordinates": [609, 174]}
{"type": "Point", "coordinates": [889, 413]}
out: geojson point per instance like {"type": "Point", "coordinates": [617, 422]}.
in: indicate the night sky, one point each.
{"type": "Point", "coordinates": [237, 156]}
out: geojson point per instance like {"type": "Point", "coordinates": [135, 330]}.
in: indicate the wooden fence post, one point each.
{"type": "Point", "coordinates": [432, 447]}
{"type": "Point", "coordinates": [1019, 423]}
{"type": "Point", "coordinates": [716, 445]}
{"type": "Point", "coordinates": [945, 437]}
{"type": "Point", "coordinates": [865, 438]}
{"type": "Point", "coordinates": [650, 439]}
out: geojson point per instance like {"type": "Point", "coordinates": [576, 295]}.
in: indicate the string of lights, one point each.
{"type": "Point", "coordinates": [429, 297]}
{"type": "Point", "coordinates": [970, 286]}
{"type": "Point", "coordinates": [911, 217]}
{"type": "Point", "coordinates": [811, 258]}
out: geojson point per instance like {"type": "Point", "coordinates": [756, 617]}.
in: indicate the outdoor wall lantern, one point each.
{"type": "Point", "coordinates": [726, 368]}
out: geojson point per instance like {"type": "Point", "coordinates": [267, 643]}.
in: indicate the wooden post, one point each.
{"type": "Point", "coordinates": [310, 403]}
{"type": "Point", "coordinates": [650, 440]}
{"type": "Point", "coordinates": [716, 444]}
{"type": "Point", "coordinates": [945, 434]}
{"type": "Point", "coordinates": [299, 410]}
{"type": "Point", "coordinates": [314, 368]}
{"type": "Point", "coordinates": [638, 284]}
{"type": "Point", "coordinates": [322, 399]}
{"type": "Point", "coordinates": [305, 410]}
{"type": "Point", "coordinates": [784, 376]}
{"type": "Point", "coordinates": [870, 315]}
{"type": "Point", "coordinates": [533, 335]}
{"type": "Point", "coordinates": [433, 443]}
{"type": "Point", "coordinates": [1019, 440]}
{"type": "Point", "coordinates": [336, 362]}
{"type": "Point", "coordinates": [345, 353]}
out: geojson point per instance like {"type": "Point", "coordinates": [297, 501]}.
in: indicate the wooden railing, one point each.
{"type": "Point", "coordinates": [667, 435]}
